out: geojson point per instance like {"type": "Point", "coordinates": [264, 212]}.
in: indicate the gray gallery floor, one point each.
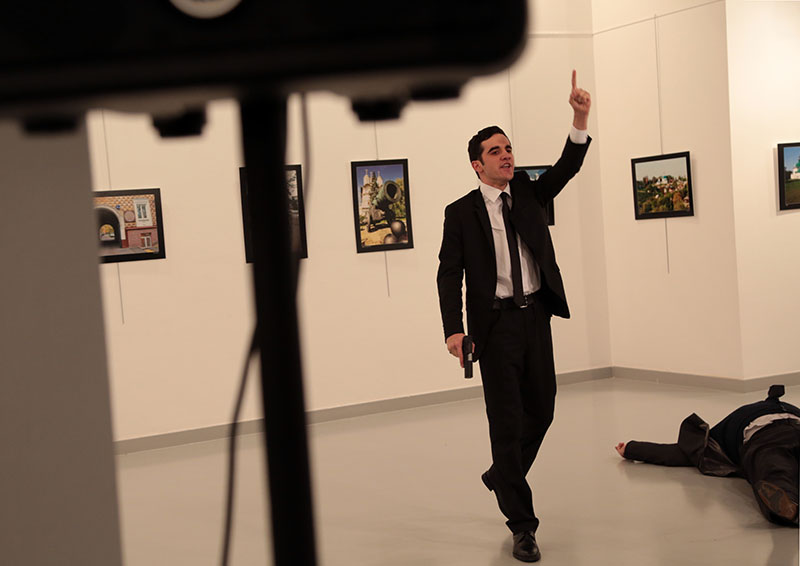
{"type": "Point", "coordinates": [404, 488]}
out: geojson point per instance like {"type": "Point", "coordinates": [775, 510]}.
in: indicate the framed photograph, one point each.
{"type": "Point", "coordinates": [297, 214]}
{"type": "Point", "coordinates": [381, 205]}
{"type": "Point", "coordinates": [789, 175]}
{"type": "Point", "coordinates": [534, 171]}
{"type": "Point", "coordinates": [129, 225]}
{"type": "Point", "coordinates": [662, 186]}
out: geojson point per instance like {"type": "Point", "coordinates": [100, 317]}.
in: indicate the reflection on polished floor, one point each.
{"type": "Point", "coordinates": [403, 488]}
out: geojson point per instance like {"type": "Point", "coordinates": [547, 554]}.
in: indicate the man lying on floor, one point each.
{"type": "Point", "coordinates": [759, 442]}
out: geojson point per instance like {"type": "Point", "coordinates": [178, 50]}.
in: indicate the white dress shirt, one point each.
{"type": "Point", "coordinates": [530, 271]}
{"type": "Point", "coordinates": [531, 280]}
{"type": "Point", "coordinates": [761, 422]}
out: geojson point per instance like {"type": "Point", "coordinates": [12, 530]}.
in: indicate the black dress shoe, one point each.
{"type": "Point", "coordinates": [525, 547]}
{"type": "Point", "coordinates": [777, 501]}
{"type": "Point", "coordinates": [486, 481]}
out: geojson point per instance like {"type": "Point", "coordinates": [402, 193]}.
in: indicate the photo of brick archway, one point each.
{"type": "Point", "coordinates": [129, 225]}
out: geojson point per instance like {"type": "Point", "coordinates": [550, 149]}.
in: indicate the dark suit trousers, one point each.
{"type": "Point", "coordinates": [772, 455]}
{"type": "Point", "coordinates": [519, 388]}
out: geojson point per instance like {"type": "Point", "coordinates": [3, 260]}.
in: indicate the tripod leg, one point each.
{"type": "Point", "coordinates": [275, 272]}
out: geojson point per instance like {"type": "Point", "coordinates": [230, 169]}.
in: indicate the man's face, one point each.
{"type": "Point", "coordinates": [496, 167]}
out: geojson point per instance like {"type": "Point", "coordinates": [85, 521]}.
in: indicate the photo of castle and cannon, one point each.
{"type": "Point", "coordinates": [381, 207]}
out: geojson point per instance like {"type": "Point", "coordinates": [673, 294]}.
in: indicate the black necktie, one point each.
{"type": "Point", "coordinates": [513, 250]}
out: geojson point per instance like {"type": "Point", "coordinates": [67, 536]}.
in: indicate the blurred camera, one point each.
{"type": "Point", "coordinates": [167, 56]}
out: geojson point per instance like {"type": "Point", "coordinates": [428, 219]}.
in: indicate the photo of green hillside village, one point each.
{"type": "Point", "coordinates": [791, 174]}
{"type": "Point", "coordinates": [662, 186]}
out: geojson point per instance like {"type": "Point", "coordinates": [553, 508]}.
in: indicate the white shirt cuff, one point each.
{"type": "Point", "coordinates": [578, 136]}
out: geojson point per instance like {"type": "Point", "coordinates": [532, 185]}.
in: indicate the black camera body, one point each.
{"type": "Point", "coordinates": [155, 55]}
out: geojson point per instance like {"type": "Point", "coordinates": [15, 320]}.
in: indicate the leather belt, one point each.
{"type": "Point", "coordinates": [508, 303]}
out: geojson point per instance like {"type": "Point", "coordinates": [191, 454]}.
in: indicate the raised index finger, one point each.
{"type": "Point", "coordinates": [574, 79]}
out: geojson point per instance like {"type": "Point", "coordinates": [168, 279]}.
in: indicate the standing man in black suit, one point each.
{"type": "Point", "coordinates": [497, 236]}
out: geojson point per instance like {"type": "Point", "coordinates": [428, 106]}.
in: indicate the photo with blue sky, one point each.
{"type": "Point", "coordinates": [676, 167]}
{"type": "Point", "coordinates": [791, 156]}
{"type": "Point", "coordinates": [387, 172]}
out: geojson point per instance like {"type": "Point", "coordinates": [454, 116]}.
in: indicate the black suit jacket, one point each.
{"type": "Point", "coordinates": [468, 248]}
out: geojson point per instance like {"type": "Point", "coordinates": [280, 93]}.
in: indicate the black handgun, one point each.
{"type": "Point", "coordinates": [466, 350]}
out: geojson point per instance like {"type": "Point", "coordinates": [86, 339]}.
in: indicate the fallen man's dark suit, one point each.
{"type": "Point", "coordinates": [768, 460]}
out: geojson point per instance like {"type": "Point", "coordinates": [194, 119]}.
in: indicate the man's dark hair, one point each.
{"type": "Point", "coordinates": [474, 145]}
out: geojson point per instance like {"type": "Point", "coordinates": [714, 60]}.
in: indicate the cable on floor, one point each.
{"type": "Point", "coordinates": [226, 542]}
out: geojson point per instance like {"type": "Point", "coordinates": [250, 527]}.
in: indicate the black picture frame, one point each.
{"type": "Point", "coordinates": [381, 205]}
{"type": "Point", "coordinates": [297, 213]}
{"type": "Point", "coordinates": [534, 172]}
{"type": "Point", "coordinates": [789, 175]}
{"type": "Point", "coordinates": [662, 186]}
{"type": "Point", "coordinates": [130, 225]}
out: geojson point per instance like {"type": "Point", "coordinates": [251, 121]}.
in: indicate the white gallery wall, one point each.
{"type": "Point", "coordinates": [763, 48]}
{"type": "Point", "coordinates": [710, 295]}
{"type": "Point", "coordinates": [662, 87]}
{"type": "Point", "coordinates": [177, 329]}
{"type": "Point", "coordinates": [680, 295]}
